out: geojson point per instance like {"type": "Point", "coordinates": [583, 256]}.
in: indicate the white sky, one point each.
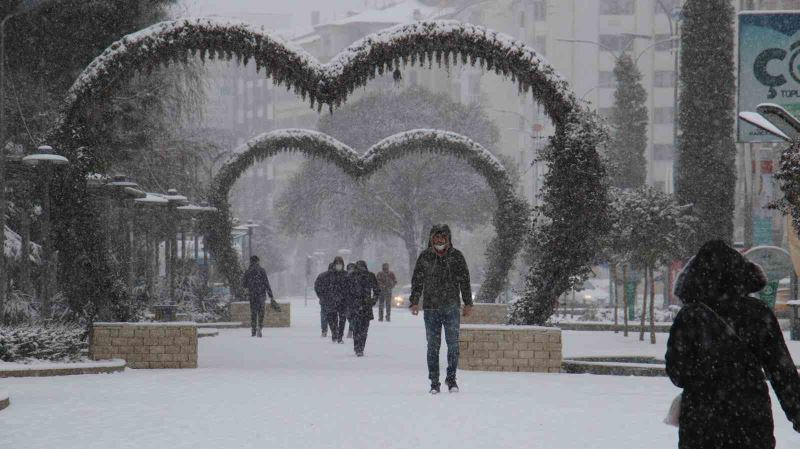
{"type": "Point", "coordinates": [299, 10]}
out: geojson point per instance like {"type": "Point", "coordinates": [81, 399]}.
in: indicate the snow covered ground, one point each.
{"type": "Point", "coordinates": [293, 389]}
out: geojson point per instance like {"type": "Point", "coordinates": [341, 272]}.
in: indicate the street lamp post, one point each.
{"type": "Point", "coordinates": [45, 156]}
{"type": "Point", "coordinates": [150, 201]}
{"type": "Point", "coordinates": [175, 200]}
{"type": "Point", "coordinates": [250, 226]}
{"type": "Point", "coordinates": [124, 189]}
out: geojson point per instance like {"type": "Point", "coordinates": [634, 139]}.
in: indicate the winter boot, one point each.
{"type": "Point", "coordinates": [435, 388]}
{"type": "Point", "coordinates": [324, 334]}
{"type": "Point", "coordinates": [253, 333]}
{"type": "Point", "coordinates": [360, 354]}
{"type": "Point", "coordinates": [452, 386]}
{"type": "Point", "coordinates": [340, 341]}
{"type": "Point", "coordinates": [258, 334]}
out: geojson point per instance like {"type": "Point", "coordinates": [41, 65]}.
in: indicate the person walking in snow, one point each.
{"type": "Point", "coordinates": [441, 279]}
{"type": "Point", "coordinates": [351, 296]}
{"type": "Point", "coordinates": [366, 296]}
{"type": "Point", "coordinates": [256, 282]}
{"type": "Point", "coordinates": [722, 347]}
{"type": "Point", "coordinates": [386, 282]}
{"type": "Point", "coordinates": [330, 287]}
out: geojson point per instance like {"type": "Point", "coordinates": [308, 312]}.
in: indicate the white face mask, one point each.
{"type": "Point", "coordinates": [440, 247]}
{"type": "Point", "coordinates": [338, 267]}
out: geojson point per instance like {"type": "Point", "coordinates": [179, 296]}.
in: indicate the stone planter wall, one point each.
{"type": "Point", "coordinates": [510, 348]}
{"type": "Point", "coordinates": [146, 345]}
{"type": "Point", "coordinates": [240, 311]}
{"type": "Point", "coordinates": [4, 400]}
{"type": "Point", "coordinates": [487, 314]}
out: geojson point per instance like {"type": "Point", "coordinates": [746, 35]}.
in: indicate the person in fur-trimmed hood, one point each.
{"type": "Point", "coordinates": [441, 278]}
{"type": "Point", "coordinates": [721, 345]}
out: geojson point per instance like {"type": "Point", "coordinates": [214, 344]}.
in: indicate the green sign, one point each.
{"type": "Point", "coordinates": [770, 293]}
{"type": "Point", "coordinates": [769, 66]}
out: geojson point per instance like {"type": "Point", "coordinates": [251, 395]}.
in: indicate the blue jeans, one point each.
{"type": "Point", "coordinates": [323, 318]}
{"type": "Point", "coordinates": [448, 318]}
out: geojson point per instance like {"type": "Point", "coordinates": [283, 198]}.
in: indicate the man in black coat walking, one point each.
{"type": "Point", "coordinates": [366, 295]}
{"type": "Point", "coordinates": [331, 288]}
{"type": "Point", "coordinates": [257, 284]}
{"type": "Point", "coordinates": [441, 278]}
{"type": "Point", "coordinates": [721, 346]}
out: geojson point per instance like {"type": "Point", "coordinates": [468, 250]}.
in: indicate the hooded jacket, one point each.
{"type": "Point", "coordinates": [366, 291]}
{"type": "Point", "coordinates": [331, 286]}
{"type": "Point", "coordinates": [256, 282]}
{"type": "Point", "coordinates": [722, 347]}
{"type": "Point", "coordinates": [440, 281]}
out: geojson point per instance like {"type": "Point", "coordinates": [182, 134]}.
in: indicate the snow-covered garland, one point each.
{"type": "Point", "coordinates": [510, 217]}
{"type": "Point", "coordinates": [443, 42]}
{"type": "Point", "coordinates": [788, 176]}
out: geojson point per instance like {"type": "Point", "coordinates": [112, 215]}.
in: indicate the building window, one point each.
{"type": "Point", "coordinates": [670, 6]}
{"type": "Point", "coordinates": [617, 7]}
{"type": "Point", "coordinates": [664, 42]}
{"type": "Point", "coordinates": [539, 10]}
{"type": "Point", "coordinates": [664, 78]}
{"type": "Point", "coordinates": [522, 19]}
{"type": "Point", "coordinates": [606, 79]}
{"type": "Point", "coordinates": [540, 45]}
{"type": "Point", "coordinates": [613, 42]}
{"type": "Point", "coordinates": [662, 116]}
{"type": "Point", "coordinates": [663, 152]}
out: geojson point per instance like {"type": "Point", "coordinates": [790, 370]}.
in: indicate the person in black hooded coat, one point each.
{"type": "Point", "coordinates": [720, 347]}
{"type": "Point", "coordinates": [365, 296]}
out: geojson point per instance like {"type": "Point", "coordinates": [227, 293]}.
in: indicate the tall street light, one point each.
{"type": "Point", "coordinates": [175, 200]}
{"type": "Point", "coordinates": [46, 157]}
{"type": "Point", "coordinates": [24, 7]}
{"type": "Point", "coordinates": [123, 190]}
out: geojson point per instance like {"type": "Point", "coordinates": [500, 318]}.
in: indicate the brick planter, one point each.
{"type": "Point", "coordinates": [146, 345]}
{"type": "Point", "coordinates": [510, 348]}
{"type": "Point", "coordinates": [240, 312]}
{"type": "Point", "coordinates": [487, 314]}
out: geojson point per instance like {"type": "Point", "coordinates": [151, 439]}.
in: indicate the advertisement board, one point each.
{"type": "Point", "coordinates": [769, 66]}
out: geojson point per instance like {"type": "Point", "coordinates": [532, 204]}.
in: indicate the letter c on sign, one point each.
{"type": "Point", "coordinates": [760, 67]}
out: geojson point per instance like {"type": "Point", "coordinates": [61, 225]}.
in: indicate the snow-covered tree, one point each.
{"type": "Point", "coordinates": [649, 231]}
{"type": "Point", "coordinates": [626, 159]}
{"type": "Point", "coordinates": [407, 196]}
{"type": "Point", "coordinates": [705, 169]}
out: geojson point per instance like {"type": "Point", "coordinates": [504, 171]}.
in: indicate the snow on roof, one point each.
{"type": "Point", "coordinates": [405, 12]}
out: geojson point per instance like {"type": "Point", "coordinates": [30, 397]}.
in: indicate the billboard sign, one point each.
{"type": "Point", "coordinates": [769, 66]}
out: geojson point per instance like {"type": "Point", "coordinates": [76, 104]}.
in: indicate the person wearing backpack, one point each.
{"type": "Point", "coordinates": [723, 347]}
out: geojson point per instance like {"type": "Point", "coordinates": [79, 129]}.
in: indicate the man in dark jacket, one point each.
{"type": "Point", "coordinates": [386, 282]}
{"type": "Point", "coordinates": [351, 296]}
{"type": "Point", "coordinates": [720, 347]}
{"type": "Point", "coordinates": [257, 284]}
{"type": "Point", "coordinates": [366, 295]}
{"type": "Point", "coordinates": [441, 278]}
{"type": "Point", "coordinates": [331, 288]}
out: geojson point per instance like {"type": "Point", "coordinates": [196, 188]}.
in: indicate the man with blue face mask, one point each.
{"type": "Point", "coordinates": [441, 279]}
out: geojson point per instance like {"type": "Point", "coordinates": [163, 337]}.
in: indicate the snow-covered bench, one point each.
{"type": "Point", "coordinates": [240, 311]}
{"type": "Point", "coordinates": [146, 345]}
{"type": "Point", "coordinates": [510, 348]}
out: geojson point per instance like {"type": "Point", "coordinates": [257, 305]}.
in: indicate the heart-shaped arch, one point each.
{"type": "Point", "coordinates": [573, 212]}
{"type": "Point", "coordinates": [511, 212]}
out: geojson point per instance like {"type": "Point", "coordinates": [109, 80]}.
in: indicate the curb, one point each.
{"type": "Point", "coordinates": [108, 368]}
{"type": "Point", "coordinates": [5, 401]}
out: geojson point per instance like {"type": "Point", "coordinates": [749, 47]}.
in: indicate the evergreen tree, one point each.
{"type": "Point", "coordinates": [705, 168]}
{"type": "Point", "coordinates": [628, 166]}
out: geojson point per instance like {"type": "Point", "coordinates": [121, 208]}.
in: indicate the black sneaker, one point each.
{"type": "Point", "coordinates": [253, 333]}
{"type": "Point", "coordinates": [324, 335]}
{"type": "Point", "coordinates": [340, 341]}
{"type": "Point", "coordinates": [435, 388]}
{"type": "Point", "coordinates": [359, 354]}
{"type": "Point", "coordinates": [258, 333]}
{"type": "Point", "coordinates": [452, 386]}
